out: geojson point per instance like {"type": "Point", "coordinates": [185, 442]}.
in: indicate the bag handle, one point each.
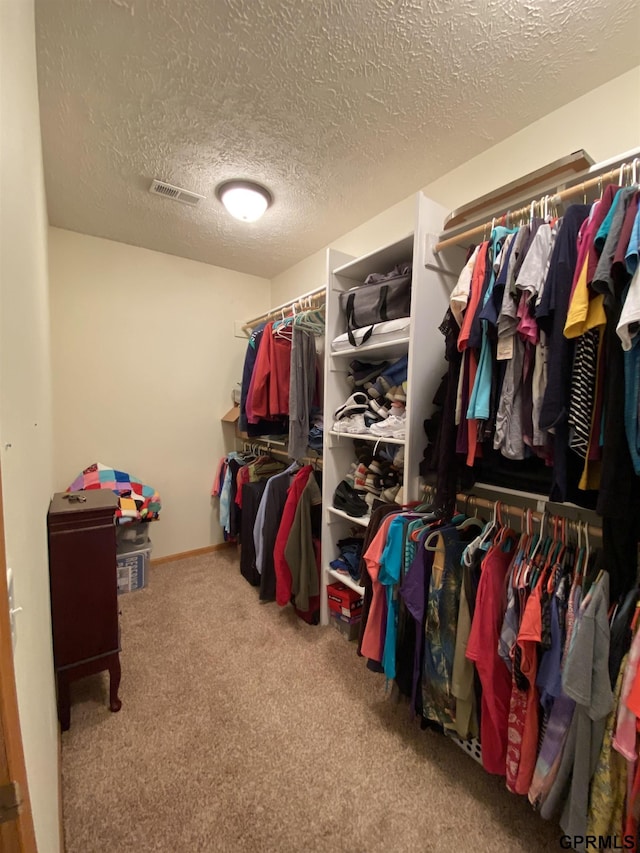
{"type": "Point", "coordinates": [382, 303]}
{"type": "Point", "coordinates": [350, 317]}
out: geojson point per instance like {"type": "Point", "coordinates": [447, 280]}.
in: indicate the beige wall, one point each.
{"type": "Point", "coordinates": [605, 122]}
{"type": "Point", "coordinates": [579, 124]}
{"type": "Point", "coordinates": [25, 405]}
{"type": "Point", "coordinates": [144, 363]}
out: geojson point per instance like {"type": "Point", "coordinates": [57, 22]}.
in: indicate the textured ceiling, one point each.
{"type": "Point", "coordinates": [340, 107]}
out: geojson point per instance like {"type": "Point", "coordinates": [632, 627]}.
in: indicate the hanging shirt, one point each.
{"type": "Point", "coordinates": [459, 298]}
{"type": "Point", "coordinates": [302, 388]}
{"type": "Point", "coordinates": [443, 604]}
{"type": "Point", "coordinates": [479, 404]}
{"type": "Point", "coordinates": [585, 679]}
{"type": "Point", "coordinates": [259, 526]}
{"type": "Point", "coordinates": [299, 551]}
{"type": "Point", "coordinates": [482, 649]}
{"type": "Point", "coordinates": [374, 634]}
{"type": "Point", "coordinates": [389, 576]}
{"type": "Point", "coordinates": [632, 253]}
{"type": "Point", "coordinates": [281, 566]}
{"type": "Point", "coordinates": [551, 316]}
{"type": "Point", "coordinates": [475, 296]}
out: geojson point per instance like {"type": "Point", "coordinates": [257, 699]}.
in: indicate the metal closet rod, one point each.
{"type": "Point", "coordinates": [578, 188]}
{"type": "Point", "coordinates": [467, 502]}
{"type": "Point", "coordinates": [314, 299]}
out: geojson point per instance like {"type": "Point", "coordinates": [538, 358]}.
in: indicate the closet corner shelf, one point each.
{"type": "Point", "coordinates": [363, 521]}
{"type": "Point", "coordinates": [368, 436]}
{"type": "Point", "coordinates": [346, 580]}
{"type": "Point", "coordinates": [385, 349]}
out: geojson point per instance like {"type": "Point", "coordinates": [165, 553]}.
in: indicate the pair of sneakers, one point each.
{"type": "Point", "coordinates": [363, 373]}
{"type": "Point", "coordinates": [392, 377]}
{"type": "Point", "coordinates": [394, 425]}
{"type": "Point", "coordinates": [349, 417]}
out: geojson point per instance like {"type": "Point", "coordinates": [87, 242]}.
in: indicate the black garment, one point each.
{"type": "Point", "coordinates": [234, 509]}
{"type": "Point", "coordinates": [551, 316]}
{"type": "Point", "coordinates": [447, 459]}
{"type": "Point", "coordinates": [274, 509]}
{"type": "Point", "coordinates": [251, 497]}
{"type": "Point", "coordinates": [621, 635]}
{"type": "Point", "coordinates": [619, 496]}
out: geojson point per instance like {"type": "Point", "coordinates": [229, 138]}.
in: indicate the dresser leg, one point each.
{"type": "Point", "coordinates": [114, 683]}
{"type": "Point", "coordinates": [64, 701]}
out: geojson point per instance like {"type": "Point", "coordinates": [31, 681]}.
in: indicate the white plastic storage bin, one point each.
{"type": "Point", "coordinates": [133, 564]}
{"type": "Point", "coordinates": [131, 537]}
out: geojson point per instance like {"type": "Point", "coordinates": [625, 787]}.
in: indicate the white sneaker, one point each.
{"type": "Point", "coordinates": [351, 424]}
{"type": "Point", "coordinates": [394, 426]}
{"type": "Point", "coordinates": [357, 424]}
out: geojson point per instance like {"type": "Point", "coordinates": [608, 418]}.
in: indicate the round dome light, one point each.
{"type": "Point", "coordinates": [245, 200]}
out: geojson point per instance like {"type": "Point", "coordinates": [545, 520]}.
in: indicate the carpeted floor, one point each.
{"type": "Point", "coordinates": [243, 729]}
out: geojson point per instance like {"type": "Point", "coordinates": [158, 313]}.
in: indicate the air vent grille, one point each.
{"type": "Point", "coordinates": [176, 193]}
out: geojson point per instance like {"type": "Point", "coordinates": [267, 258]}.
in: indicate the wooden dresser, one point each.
{"type": "Point", "coordinates": [84, 595]}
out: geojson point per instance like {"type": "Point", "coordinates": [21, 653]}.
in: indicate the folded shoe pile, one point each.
{"type": "Point", "coordinates": [348, 562]}
{"type": "Point", "coordinates": [377, 404]}
{"type": "Point", "coordinates": [371, 478]}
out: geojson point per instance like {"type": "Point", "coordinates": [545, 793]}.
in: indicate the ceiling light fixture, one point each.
{"type": "Point", "coordinates": [245, 200]}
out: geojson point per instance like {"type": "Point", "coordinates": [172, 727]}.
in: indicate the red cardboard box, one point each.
{"type": "Point", "coordinates": [344, 600]}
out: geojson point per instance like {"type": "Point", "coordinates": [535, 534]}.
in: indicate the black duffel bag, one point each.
{"type": "Point", "coordinates": [380, 298]}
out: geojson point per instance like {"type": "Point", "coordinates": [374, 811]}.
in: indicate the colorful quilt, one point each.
{"type": "Point", "coordinates": [137, 502]}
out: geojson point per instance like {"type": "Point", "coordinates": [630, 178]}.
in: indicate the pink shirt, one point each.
{"type": "Point", "coordinates": [374, 633]}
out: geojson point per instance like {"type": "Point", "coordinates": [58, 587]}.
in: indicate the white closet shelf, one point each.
{"type": "Point", "coordinates": [381, 260]}
{"type": "Point", "coordinates": [384, 349]}
{"type": "Point", "coordinates": [362, 521]}
{"type": "Point", "coordinates": [368, 436]}
{"type": "Point", "coordinates": [347, 580]}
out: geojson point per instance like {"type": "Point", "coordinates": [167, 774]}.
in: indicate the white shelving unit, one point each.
{"type": "Point", "coordinates": [424, 347]}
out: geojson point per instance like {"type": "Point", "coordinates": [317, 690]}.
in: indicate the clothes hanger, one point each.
{"type": "Point", "coordinates": [621, 175]}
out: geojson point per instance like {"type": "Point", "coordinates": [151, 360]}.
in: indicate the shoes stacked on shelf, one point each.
{"type": "Point", "coordinates": [377, 404]}
{"type": "Point", "coordinates": [371, 478]}
{"type": "Point", "coordinates": [348, 560]}
{"type": "Point", "coordinates": [316, 432]}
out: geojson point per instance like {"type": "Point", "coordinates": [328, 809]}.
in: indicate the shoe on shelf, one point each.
{"type": "Point", "coordinates": [379, 408]}
{"type": "Point", "coordinates": [389, 495]}
{"type": "Point", "coordinates": [396, 394]}
{"type": "Point", "coordinates": [395, 426]}
{"type": "Point", "coordinates": [346, 499]}
{"type": "Point", "coordinates": [360, 477]}
{"type": "Point", "coordinates": [390, 479]}
{"type": "Point", "coordinates": [370, 418]}
{"type": "Point", "coordinates": [398, 459]}
{"type": "Point", "coordinates": [352, 424]}
{"type": "Point", "coordinates": [357, 402]}
{"type": "Point", "coordinates": [362, 372]}
{"type": "Point", "coordinates": [373, 484]}
{"type": "Point", "coordinates": [363, 450]}
{"type": "Point", "coordinates": [375, 467]}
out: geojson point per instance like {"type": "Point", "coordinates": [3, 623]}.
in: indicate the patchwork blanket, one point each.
{"type": "Point", "coordinates": [137, 502]}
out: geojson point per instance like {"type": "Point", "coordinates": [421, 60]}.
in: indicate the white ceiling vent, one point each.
{"type": "Point", "coordinates": [176, 193]}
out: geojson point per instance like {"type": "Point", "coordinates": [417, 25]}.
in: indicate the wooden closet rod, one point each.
{"type": "Point", "coordinates": [251, 446]}
{"type": "Point", "coordinates": [578, 188]}
{"type": "Point", "coordinates": [314, 299]}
